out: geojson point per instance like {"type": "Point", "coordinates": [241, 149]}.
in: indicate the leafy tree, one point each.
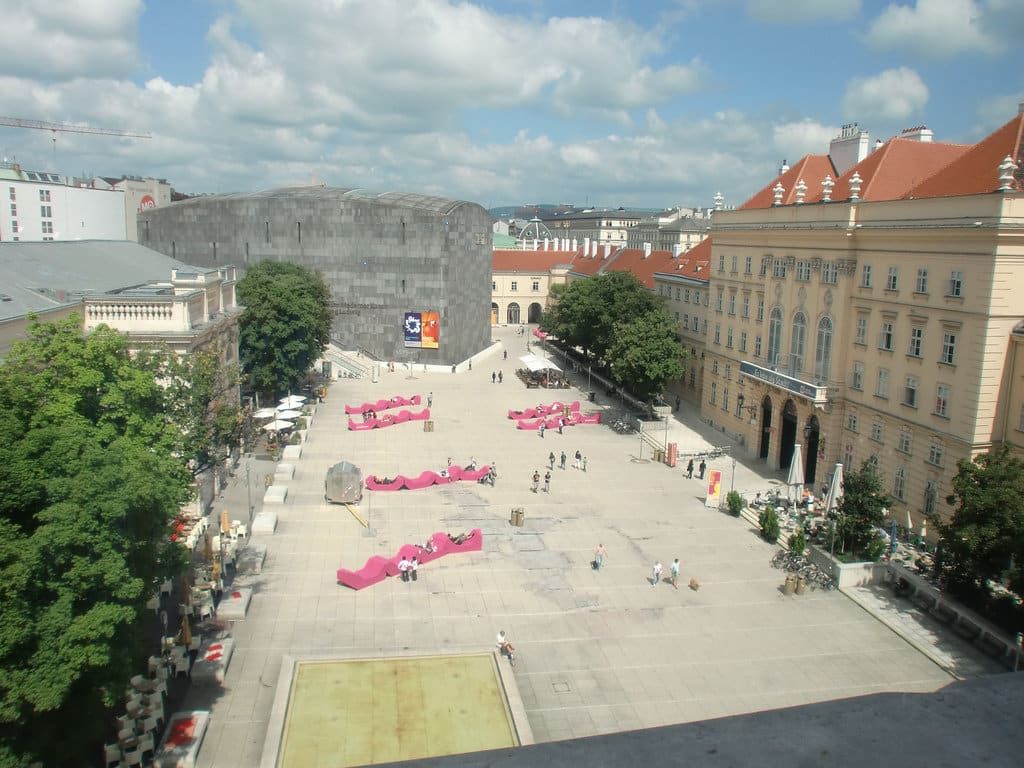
{"type": "Point", "coordinates": [985, 535]}
{"type": "Point", "coordinates": [92, 477]}
{"type": "Point", "coordinates": [861, 509]}
{"type": "Point", "coordinates": [645, 353]}
{"type": "Point", "coordinates": [286, 324]}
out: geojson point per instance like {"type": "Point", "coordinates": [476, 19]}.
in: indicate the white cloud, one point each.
{"type": "Point", "coordinates": [64, 39]}
{"type": "Point", "coordinates": [802, 11]}
{"type": "Point", "coordinates": [802, 137]}
{"type": "Point", "coordinates": [932, 29]}
{"type": "Point", "coordinates": [893, 95]}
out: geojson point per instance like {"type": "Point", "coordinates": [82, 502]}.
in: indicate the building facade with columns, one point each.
{"type": "Point", "coordinates": [871, 311]}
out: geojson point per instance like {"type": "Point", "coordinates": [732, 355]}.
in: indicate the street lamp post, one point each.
{"type": "Point", "coordinates": [248, 485]}
{"type": "Point", "coordinates": [732, 480]}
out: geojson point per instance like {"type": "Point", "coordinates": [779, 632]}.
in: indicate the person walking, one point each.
{"type": "Point", "coordinates": [583, 464]}
{"type": "Point", "coordinates": [599, 555]}
{"type": "Point", "coordinates": [656, 573]}
{"type": "Point", "coordinates": [551, 460]}
{"type": "Point", "coordinates": [504, 354]}
{"type": "Point", "coordinates": [536, 480]}
{"type": "Point", "coordinates": [689, 470]}
{"type": "Point", "coordinates": [703, 466]}
{"type": "Point", "coordinates": [561, 423]}
{"type": "Point", "coordinates": [414, 566]}
{"type": "Point", "coordinates": [500, 377]}
{"type": "Point", "coordinates": [678, 402]}
{"type": "Point", "coordinates": [576, 460]}
{"type": "Point", "coordinates": [403, 568]}
{"type": "Point", "coordinates": [541, 430]}
{"type": "Point", "coordinates": [561, 461]}
{"type": "Point", "coordinates": [547, 482]}
{"type": "Point", "coordinates": [430, 399]}
{"type": "Point", "coordinates": [494, 377]}
{"type": "Point", "coordinates": [673, 570]}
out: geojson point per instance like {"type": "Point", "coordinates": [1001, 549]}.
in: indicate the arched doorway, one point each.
{"type": "Point", "coordinates": [766, 426]}
{"type": "Point", "coordinates": [513, 314]}
{"type": "Point", "coordinates": [812, 435]}
{"type": "Point", "coordinates": [494, 313]}
{"type": "Point", "coordinates": [533, 313]}
{"type": "Point", "coordinates": [788, 439]}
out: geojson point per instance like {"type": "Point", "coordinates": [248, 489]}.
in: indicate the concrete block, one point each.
{"type": "Point", "coordinates": [291, 452]}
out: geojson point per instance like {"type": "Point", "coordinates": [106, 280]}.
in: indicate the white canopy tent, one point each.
{"type": "Point", "coordinates": [533, 363]}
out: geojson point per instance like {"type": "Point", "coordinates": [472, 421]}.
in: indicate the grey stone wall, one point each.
{"type": "Point", "coordinates": [381, 256]}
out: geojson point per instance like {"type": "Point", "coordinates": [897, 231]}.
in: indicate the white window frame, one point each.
{"type": "Point", "coordinates": [956, 284]}
{"type": "Point", "coordinates": [862, 330]}
{"type": "Point", "coordinates": [887, 335]}
{"type": "Point", "coordinates": [921, 286]}
{"type": "Point", "coordinates": [943, 393]}
{"type": "Point", "coordinates": [857, 381]}
{"type": "Point", "coordinates": [882, 385]}
{"type": "Point", "coordinates": [892, 280]}
{"type": "Point", "coordinates": [905, 443]}
{"type": "Point", "coordinates": [865, 276]}
{"type": "Point", "coordinates": [948, 356]}
{"type": "Point", "coordinates": [911, 391]}
{"type": "Point", "coordinates": [916, 346]}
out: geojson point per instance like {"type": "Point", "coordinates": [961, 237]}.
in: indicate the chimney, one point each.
{"type": "Point", "coordinates": [586, 246]}
{"type": "Point", "coordinates": [917, 133]}
{"type": "Point", "coordinates": [848, 148]}
{"type": "Point", "coordinates": [647, 250]}
{"type": "Point", "coordinates": [677, 249]}
{"type": "Point", "coordinates": [574, 246]}
{"type": "Point", "coordinates": [783, 168]}
{"type": "Point", "coordinates": [547, 243]}
{"type": "Point", "coordinates": [535, 243]}
{"type": "Point", "coordinates": [607, 250]}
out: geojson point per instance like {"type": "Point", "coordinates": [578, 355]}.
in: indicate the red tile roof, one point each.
{"type": "Point", "coordinates": [588, 266]}
{"type": "Point", "coordinates": [514, 260]}
{"type": "Point", "coordinates": [976, 171]}
{"type": "Point", "coordinates": [811, 168]}
{"type": "Point", "coordinates": [632, 260]}
{"type": "Point", "coordinates": [891, 171]}
{"type": "Point", "coordinates": [695, 263]}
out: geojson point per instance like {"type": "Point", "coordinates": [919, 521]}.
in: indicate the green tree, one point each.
{"type": "Point", "coordinates": [286, 324]}
{"type": "Point", "coordinates": [861, 509]}
{"type": "Point", "coordinates": [645, 353]}
{"type": "Point", "coordinates": [984, 538]}
{"type": "Point", "coordinates": [93, 476]}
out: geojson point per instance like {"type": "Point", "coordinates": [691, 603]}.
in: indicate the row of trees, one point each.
{"type": "Point", "coordinates": [615, 321]}
{"type": "Point", "coordinates": [100, 446]}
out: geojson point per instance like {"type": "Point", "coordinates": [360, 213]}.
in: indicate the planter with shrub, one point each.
{"type": "Point", "coordinates": [769, 522]}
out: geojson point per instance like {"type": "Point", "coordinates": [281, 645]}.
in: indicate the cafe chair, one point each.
{"type": "Point", "coordinates": [133, 756]}
{"type": "Point", "coordinates": [146, 744]}
{"type": "Point", "coordinates": [111, 755]}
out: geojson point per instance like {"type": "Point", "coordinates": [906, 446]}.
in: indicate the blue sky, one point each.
{"type": "Point", "coordinates": [605, 103]}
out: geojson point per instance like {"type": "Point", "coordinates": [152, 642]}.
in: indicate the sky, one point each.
{"type": "Point", "coordinates": [605, 103]}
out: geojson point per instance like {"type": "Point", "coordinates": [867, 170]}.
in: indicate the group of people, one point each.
{"type": "Point", "coordinates": [579, 461]}
{"type": "Point", "coordinates": [702, 469]}
{"type": "Point", "coordinates": [408, 568]}
{"type": "Point", "coordinates": [497, 377]}
{"type": "Point", "coordinates": [673, 573]}
{"type": "Point", "coordinates": [536, 481]}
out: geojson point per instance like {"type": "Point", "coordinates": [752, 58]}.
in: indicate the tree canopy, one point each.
{"type": "Point", "coordinates": [613, 317]}
{"type": "Point", "coordinates": [862, 510]}
{"type": "Point", "coordinates": [286, 324]}
{"type": "Point", "coordinates": [93, 475]}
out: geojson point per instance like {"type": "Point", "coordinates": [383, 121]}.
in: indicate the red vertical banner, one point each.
{"type": "Point", "coordinates": [714, 488]}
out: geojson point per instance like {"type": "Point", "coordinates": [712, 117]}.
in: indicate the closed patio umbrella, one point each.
{"type": "Point", "coordinates": [288, 414]}
{"type": "Point", "coordinates": [292, 401]}
{"type": "Point", "coordinates": [225, 523]}
{"type": "Point", "coordinates": [185, 635]}
{"type": "Point", "coordinates": [796, 472]}
{"type": "Point", "coordinates": [277, 425]}
{"type": "Point", "coordinates": [835, 493]}
{"type": "Point", "coordinates": [264, 413]}
{"type": "Point", "coordinates": [207, 549]}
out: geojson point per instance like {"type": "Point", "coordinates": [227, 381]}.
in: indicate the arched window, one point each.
{"type": "Point", "coordinates": [797, 342]}
{"type": "Point", "coordinates": [774, 336]}
{"type": "Point", "coordinates": [823, 351]}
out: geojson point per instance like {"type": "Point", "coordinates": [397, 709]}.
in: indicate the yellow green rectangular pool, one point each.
{"type": "Point", "coordinates": [362, 711]}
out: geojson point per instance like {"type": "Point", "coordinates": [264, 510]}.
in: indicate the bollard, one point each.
{"type": "Point", "coordinates": [790, 586]}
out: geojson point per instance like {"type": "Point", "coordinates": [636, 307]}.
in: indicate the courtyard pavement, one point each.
{"type": "Point", "coordinates": [597, 651]}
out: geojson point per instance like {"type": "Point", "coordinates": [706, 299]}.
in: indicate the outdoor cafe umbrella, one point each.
{"type": "Point", "coordinates": [186, 631]}
{"type": "Point", "coordinates": [207, 549]}
{"type": "Point", "coordinates": [292, 401]}
{"type": "Point", "coordinates": [277, 424]}
{"type": "Point", "coordinates": [265, 413]}
{"type": "Point", "coordinates": [225, 523]}
{"type": "Point", "coordinates": [289, 414]}
{"type": "Point", "coordinates": [796, 472]}
{"type": "Point", "coordinates": [835, 492]}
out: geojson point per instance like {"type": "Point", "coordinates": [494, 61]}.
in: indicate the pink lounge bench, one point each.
{"type": "Point", "coordinates": [388, 419]}
{"type": "Point", "coordinates": [539, 333]}
{"type": "Point", "coordinates": [428, 478]}
{"type": "Point", "coordinates": [377, 568]}
{"type": "Point", "coordinates": [544, 410]}
{"type": "Point", "coordinates": [552, 422]}
{"type": "Point", "coordinates": [382, 405]}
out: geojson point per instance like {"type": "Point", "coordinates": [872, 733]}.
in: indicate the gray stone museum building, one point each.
{"type": "Point", "coordinates": [410, 275]}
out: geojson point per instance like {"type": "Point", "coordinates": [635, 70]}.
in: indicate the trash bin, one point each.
{"type": "Point", "coordinates": [591, 396]}
{"type": "Point", "coordinates": [659, 455]}
{"type": "Point", "coordinates": [790, 586]}
{"type": "Point", "coordinates": [428, 426]}
{"type": "Point", "coordinates": [517, 516]}
{"type": "Point", "coordinates": [801, 584]}
{"type": "Point", "coordinates": [567, 412]}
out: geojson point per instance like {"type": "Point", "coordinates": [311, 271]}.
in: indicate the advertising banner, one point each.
{"type": "Point", "coordinates": [714, 488]}
{"type": "Point", "coordinates": [421, 329]}
{"type": "Point", "coordinates": [429, 323]}
{"type": "Point", "coordinates": [413, 330]}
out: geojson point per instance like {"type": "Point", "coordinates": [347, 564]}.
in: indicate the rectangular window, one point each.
{"type": "Point", "coordinates": [948, 348]}
{"type": "Point", "coordinates": [803, 271]}
{"type": "Point", "coordinates": [494, 285]}
{"type": "Point", "coordinates": [677, 317]}
{"type": "Point", "coordinates": [899, 483]}
{"type": "Point", "coordinates": [848, 455]}
{"type": "Point", "coordinates": [779, 269]}
{"type": "Point", "coordinates": [882, 389]}
{"type": "Point", "coordinates": [14, 226]}
{"type": "Point", "coordinates": [725, 398]}
{"type": "Point", "coordinates": [886, 338]}
{"type": "Point", "coordinates": [905, 443]}
{"type": "Point", "coordinates": [851, 421]}
{"type": "Point", "coordinates": [45, 211]}
{"type": "Point", "coordinates": [956, 284]}
{"type": "Point", "coordinates": [718, 300]}
{"type": "Point", "coordinates": [732, 303]}
{"type": "Point", "coordinates": [714, 393]}
{"type": "Point", "coordinates": [714, 367]}
{"type": "Point", "coordinates": [515, 286]}
{"type": "Point", "coordinates": [12, 194]}
{"type": "Point", "coordinates": [696, 297]}
{"type": "Point", "coordinates": [865, 276]}
{"type": "Point", "coordinates": [892, 279]}
{"type": "Point", "coordinates": [757, 346]}
{"type": "Point", "coordinates": [746, 306]}
{"type": "Point", "coordinates": [677, 293]}
{"type": "Point", "coordinates": [535, 285]}
{"type": "Point", "coordinates": [728, 370]}
{"type": "Point", "coordinates": [693, 377]}
{"type": "Point", "coordinates": [721, 262]}
{"type": "Point", "coordinates": [728, 338]}
{"type": "Point", "coordinates": [735, 261]}
{"type": "Point", "coordinates": [686, 321]}
{"type": "Point", "coordinates": [749, 264]}
{"type": "Point", "coordinates": [47, 228]}
{"type": "Point", "coordinates": [14, 209]}
{"type": "Point", "coordinates": [910, 392]}
{"type": "Point", "coordinates": [829, 273]}
{"type": "Point", "coordinates": [743, 341]}
{"type": "Point", "coordinates": [760, 308]}
{"type": "Point", "coordinates": [931, 492]}
{"type": "Point", "coordinates": [942, 400]}
{"type": "Point", "coordinates": [862, 330]}
{"type": "Point", "coordinates": [916, 341]}
{"type": "Point", "coordinates": [935, 453]}
{"type": "Point", "coordinates": [718, 333]}
{"type": "Point", "coordinates": [44, 195]}
{"type": "Point", "coordinates": [922, 281]}
{"type": "Point", "coordinates": [857, 381]}
{"type": "Point", "coordinates": [876, 431]}
{"type": "Point", "coordinates": [686, 296]}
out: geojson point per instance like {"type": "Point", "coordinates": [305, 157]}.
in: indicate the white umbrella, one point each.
{"type": "Point", "coordinates": [288, 414]}
{"type": "Point", "coordinates": [292, 401]}
{"type": "Point", "coordinates": [277, 424]}
{"type": "Point", "coordinates": [264, 413]}
{"type": "Point", "coordinates": [796, 471]}
{"type": "Point", "coordinates": [835, 492]}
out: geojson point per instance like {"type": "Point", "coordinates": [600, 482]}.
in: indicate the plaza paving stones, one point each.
{"type": "Point", "coordinates": [597, 651]}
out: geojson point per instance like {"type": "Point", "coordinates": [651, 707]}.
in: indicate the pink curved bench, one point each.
{"type": "Point", "coordinates": [544, 410]}
{"type": "Point", "coordinates": [539, 333]}
{"type": "Point", "coordinates": [552, 422]}
{"type": "Point", "coordinates": [389, 419]}
{"type": "Point", "coordinates": [383, 405]}
{"type": "Point", "coordinates": [377, 568]}
{"type": "Point", "coordinates": [428, 478]}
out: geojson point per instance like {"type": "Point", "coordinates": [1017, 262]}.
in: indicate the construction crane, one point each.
{"type": "Point", "coordinates": [42, 125]}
